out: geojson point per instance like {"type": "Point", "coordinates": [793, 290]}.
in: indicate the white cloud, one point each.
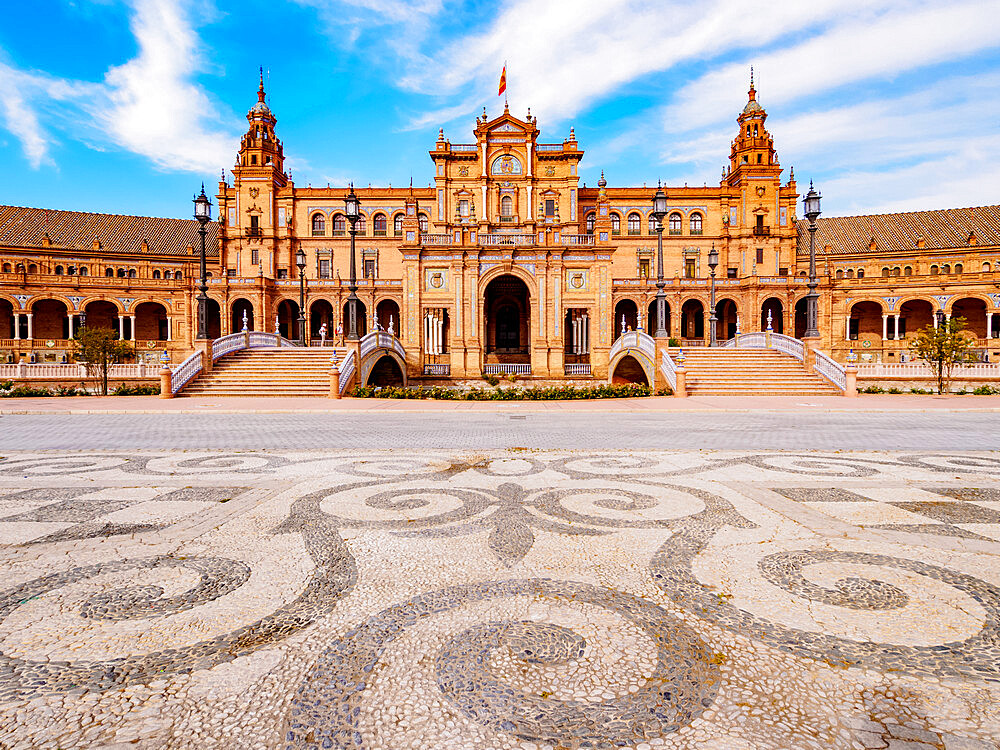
{"type": "Point", "coordinates": [20, 117]}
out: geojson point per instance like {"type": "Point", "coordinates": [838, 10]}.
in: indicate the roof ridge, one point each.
{"type": "Point", "coordinates": [910, 213]}
{"type": "Point", "coordinates": [94, 213]}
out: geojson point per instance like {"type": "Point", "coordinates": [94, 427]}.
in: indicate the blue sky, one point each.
{"type": "Point", "coordinates": [124, 106]}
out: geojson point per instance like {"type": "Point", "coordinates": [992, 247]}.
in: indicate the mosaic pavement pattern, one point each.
{"type": "Point", "coordinates": [499, 600]}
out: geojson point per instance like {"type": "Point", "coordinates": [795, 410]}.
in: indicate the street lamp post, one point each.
{"type": "Point", "coordinates": [203, 213]}
{"type": "Point", "coordinates": [352, 207]}
{"type": "Point", "coordinates": [811, 205]}
{"type": "Point", "coordinates": [659, 211]}
{"type": "Point", "coordinates": [300, 261]}
{"type": "Point", "coordinates": [713, 262]}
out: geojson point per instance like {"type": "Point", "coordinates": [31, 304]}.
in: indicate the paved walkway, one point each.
{"type": "Point", "coordinates": [499, 600]}
{"type": "Point", "coordinates": [153, 404]}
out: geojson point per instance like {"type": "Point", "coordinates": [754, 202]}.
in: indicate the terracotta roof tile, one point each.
{"type": "Point", "coordinates": [76, 230]}
{"type": "Point", "coordinates": [947, 228]}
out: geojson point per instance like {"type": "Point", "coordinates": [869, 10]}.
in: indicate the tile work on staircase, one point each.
{"type": "Point", "coordinates": [268, 372]}
{"type": "Point", "coordinates": [751, 372]}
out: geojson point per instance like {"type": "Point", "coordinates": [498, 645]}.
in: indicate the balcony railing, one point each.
{"type": "Point", "coordinates": [507, 239]}
{"type": "Point", "coordinates": [578, 239]}
{"type": "Point", "coordinates": [464, 147]}
{"type": "Point", "coordinates": [762, 231]}
{"type": "Point", "coordinates": [438, 370]}
{"type": "Point", "coordinates": [544, 147]}
{"type": "Point", "coordinates": [435, 239]}
{"type": "Point", "coordinates": [578, 369]}
{"type": "Point", "coordinates": [507, 368]}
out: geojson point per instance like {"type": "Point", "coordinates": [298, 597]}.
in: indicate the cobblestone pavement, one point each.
{"type": "Point", "coordinates": [506, 426]}
{"type": "Point", "coordinates": [500, 599]}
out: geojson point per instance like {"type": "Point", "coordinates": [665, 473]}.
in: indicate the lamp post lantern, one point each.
{"type": "Point", "coordinates": [812, 211]}
{"type": "Point", "coordinates": [939, 317]}
{"type": "Point", "coordinates": [300, 261]}
{"type": "Point", "coordinates": [713, 262]}
{"type": "Point", "coordinates": [203, 213]}
{"type": "Point", "coordinates": [352, 207]}
{"type": "Point", "coordinates": [659, 211]}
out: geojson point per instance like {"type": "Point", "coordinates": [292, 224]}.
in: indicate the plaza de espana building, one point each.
{"type": "Point", "coordinates": [507, 258]}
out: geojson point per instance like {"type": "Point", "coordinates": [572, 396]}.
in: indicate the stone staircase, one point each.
{"type": "Point", "coordinates": [268, 372]}
{"type": "Point", "coordinates": [751, 372]}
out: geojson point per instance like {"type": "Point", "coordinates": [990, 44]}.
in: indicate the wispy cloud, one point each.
{"type": "Point", "coordinates": [150, 105]}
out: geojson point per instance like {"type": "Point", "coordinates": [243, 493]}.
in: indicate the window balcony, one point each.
{"type": "Point", "coordinates": [696, 232]}
{"type": "Point", "coordinates": [634, 232]}
{"type": "Point", "coordinates": [379, 233]}
{"type": "Point", "coordinates": [762, 231]}
{"type": "Point", "coordinates": [339, 232]}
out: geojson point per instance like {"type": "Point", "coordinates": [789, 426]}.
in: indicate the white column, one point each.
{"type": "Point", "coordinates": [121, 327]}
{"type": "Point", "coordinates": [31, 325]}
{"type": "Point", "coordinates": [427, 333]}
{"type": "Point", "coordinates": [484, 172]}
{"type": "Point", "coordinates": [72, 322]}
{"type": "Point", "coordinates": [528, 188]}
{"type": "Point", "coordinates": [170, 329]}
{"type": "Point", "coordinates": [131, 327]}
{"type": "Point", "coordinates": [485, 214]}
{"type": "Point", "coordinates": [847, 328]}
{"type": "Point", "coordinates": [586, 333]}
{"type": "Point", "coordinates": [885, 326]}
{"type": "Point", "coordinates": [989, 325]}
{"type": "Point", "coordinates": [896, 327]}
{"type": "Point", "coordinates": [17, 326]}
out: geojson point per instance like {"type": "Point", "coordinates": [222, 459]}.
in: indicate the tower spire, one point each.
{"type": "Point", "coordinates": [260, 89]}
{"type": "Point", "coordinates": [753, 91]}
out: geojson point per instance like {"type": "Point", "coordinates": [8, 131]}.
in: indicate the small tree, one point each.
{"type": "Point", "coordinates": [99, 348]}
{"type": "Point", "coordinates": [944, 347]}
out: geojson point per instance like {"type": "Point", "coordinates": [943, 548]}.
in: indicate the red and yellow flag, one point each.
{"type": "Point", "coordinates": [503, 81]}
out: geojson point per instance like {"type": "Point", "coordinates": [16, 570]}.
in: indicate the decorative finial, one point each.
{"type": "Point", "coordinates": [506, 107]}
{"type": "Point", "coordinates": [753, 91]}
{"type": "Point", "coordinates": [484, 113]}
{"type": "Point", "coordinates": [572, 133]}
{"type": "Point", "coordinates": [810, 184]}
{"type": "Point", "coordinates": [529, 114]}
{"type": "Point", "coordinates": [260, 89]}
{"type": "Point", "coordinates": [222, 176]}
{"type": "Point", "coordinates": [440, 134]}
{"type": "Point", "coordinates": [791, 174]}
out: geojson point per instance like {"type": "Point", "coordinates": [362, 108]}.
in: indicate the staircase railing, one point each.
{"type": "Point", "coordinates": [669, 369]}
{"type": "Point", "coordinates": [346, 368]}
{"type": "Point", "coordinates": [234, 342]}
{"type": "Point", "coordinates": [381, 340]}
{"type": "Point", "coordinates": [830, 369]}
{"type": "Point", "coordinates": [185, 372]}
{"type": "Point", "coordinates": [634, 340]}
{"type": "Point", "coordinates": [767, 340]}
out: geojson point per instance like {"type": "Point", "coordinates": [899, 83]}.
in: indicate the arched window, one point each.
{"type": "Point", "coordinates": [674, 224]}
{"type": "Point", "coordinates": [32, 268]}
{"type": "Point", "coordinates": [361, 226]}
{"type": "Point", "coordinates": [958, 268]}
{"type": "Point", "coordinates": [397, 225]}
{"type": "Point", "coordinates": [885, 271]}
{"type": "Point", "coordinates": [616, 224]}
{"type": "Point", "coordinates": [58, 271]}
{"type": "Point", "coordinates": [339, 225]}
{"type": "Point", "coordinates": [109, 272]}
{"type": "Point", "coordinates": [590, 222]}
{"type": "Point", "coordinates": [946, 268]}
{"type": "Point", "coordinates": [178, 275]}
{"type": "Point", "coordinates": [907, 271]}
{"type": "Point", "coordinates": [934, 271]}
{"type": "Point", "coordinates": [378, 222]}
{"type": "Point", "coordinates": [506, 206]}
{"type": "Point", "coordinates": [131, 273]}
{"type": "Point", "coordinates": [6, 267]}
{"type": "Point", "coordinates": [71, 270]}
{"type": "Point", "coordinates": [156, 274]}
{"type": "Point", "coordinates": [986, 267]}
{"type": "Point", "coordinates": [634, 223]}
{"type": "Point", "coordinates": [318, 225]}
{"type": "Point", "coordinates": [850, 273]}
{"type": "Point", "coordinates": [840, 274]}
{"type": "Point", "coordinates": [861, 273]}
{"type": "Point", "coordinates": [895, 271]}
{"type": "Point", "coordinates": [84, 271]}
{"type": "Point", "coordinates": [422, 218]}
{"type": "Point", "coordinates": [695, 223]}
{"type": "Point", "coordinates": [652, 224]}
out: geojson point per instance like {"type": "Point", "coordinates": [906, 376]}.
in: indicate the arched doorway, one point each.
{"type": "Point", "coordinates": [49, 320]}
{"type": "Point", "coordinates": [387, 311]}
{"type": "Point", "coordinates": [150, 322]}
{"type": "Point", "coordinates": [362, 319]}
{"type": "Point", "coordinates": [386, 372]}
{"type": "Point", "coordinates": [213, 319]}
{"type": "Point", "coordinates": [508, 315]}
{"type": "Point", "coordinates": [865, 321]}
{"type": "Point", "coordinates": [725, 324]}
{"type": "Point", "coordinates": [772, 307]}
{"type": "Point", "coordinates": [974, 312]}
{"type": "Point", "coordinates": [651, 317]}
{"type": "Point", "coordinates": [320, 313]}
{"type": "Point", "coordinates": [288, 319]}
{"type": "Point", "coordinates": [693, 320]}
{"type": "Point", "coordinates": [628, 370]}
{"type": "Point", "coordinates": [914, 316]}
{"type": "Point", "coordinates": [101, 314]}
{"type": "Point", "coordinates": [801, 318]}
{"type": "Point", "coordinates": [626, 317]}
{"type": "Point", "coordinates": [6, 319]}
{"type": "Point", "coordinates": [240, 308]}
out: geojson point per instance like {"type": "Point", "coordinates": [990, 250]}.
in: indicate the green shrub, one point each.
{"type": "Point", "coordinates": [986, 390]}
{"type": "Point", "coordinates": [673, 342]}
{"type": "Point", "coordinates": [894, 390]}
{"type": "Point", "coordinates": [548, 393]}
{"type": "Point", "coordinates": [873, 389]}
{"type": "Point", "coordinates": [919, 391]}
{"type": "Point", "coordinates": [70, 390]}
{"type": "Point", "coordinates": [491, 379]}
{"type": "Point", "coordinates": [138, 389]}
{"type": "Point", "coordinates": [23, 391]}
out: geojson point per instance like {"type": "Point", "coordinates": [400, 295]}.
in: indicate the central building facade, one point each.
{"type": "Point", "coordinates": [509, 263]}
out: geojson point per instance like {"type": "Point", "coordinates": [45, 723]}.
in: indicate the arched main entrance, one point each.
{"type": "Point", "coordinates": [508, 318]}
